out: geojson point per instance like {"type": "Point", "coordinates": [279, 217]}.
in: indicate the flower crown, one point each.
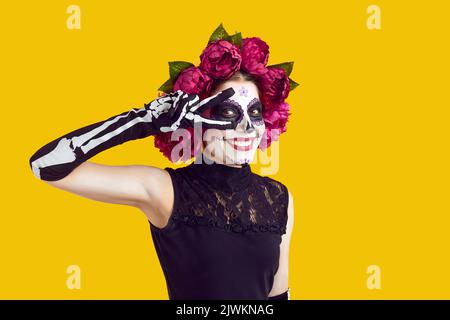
{"type": "Point", "coordinates": [223, 56]}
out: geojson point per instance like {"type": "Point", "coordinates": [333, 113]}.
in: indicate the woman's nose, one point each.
{"type": "Point", "coordinates": [250, 128]}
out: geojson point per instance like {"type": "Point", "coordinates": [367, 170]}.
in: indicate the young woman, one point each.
{"type": "Point", "coordinates": [220, 230]}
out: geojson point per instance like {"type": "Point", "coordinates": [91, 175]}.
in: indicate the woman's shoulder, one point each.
{"type": "Point", "coordinates": [271, 183]}
{"type": "Point", "coordinates": [178, 175]}
{"type": "Point", "coordinates": [276, 195]}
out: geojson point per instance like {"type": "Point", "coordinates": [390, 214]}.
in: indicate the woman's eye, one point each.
{"type": "Point", "coordinates": [255, 112]}
{"type": "Point", "coordinates": [228, 113]}
{"type": "Point", "coordinates": [225, 112]}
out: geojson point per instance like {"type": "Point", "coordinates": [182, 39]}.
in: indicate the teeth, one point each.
{"type": "Point", "coordinates": [243, 143]}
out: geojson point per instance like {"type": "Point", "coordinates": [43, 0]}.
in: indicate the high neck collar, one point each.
{"type": "Point", "coordinates": [221, 176]}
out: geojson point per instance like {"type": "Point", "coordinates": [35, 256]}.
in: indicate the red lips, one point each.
{"type": "Point", "coordinates": [242, 144]}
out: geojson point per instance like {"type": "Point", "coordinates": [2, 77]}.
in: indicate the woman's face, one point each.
{"type": "Point", "coordinates": [239, 145]}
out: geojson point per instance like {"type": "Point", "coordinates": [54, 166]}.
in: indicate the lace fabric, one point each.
{"type": "Point", "coordinates": [223, 237]}
{"type": "Point", "coordinates": [228, 198]}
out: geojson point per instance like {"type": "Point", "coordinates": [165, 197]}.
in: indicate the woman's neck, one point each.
{"type": "Point", "coordinates": [234, 165]}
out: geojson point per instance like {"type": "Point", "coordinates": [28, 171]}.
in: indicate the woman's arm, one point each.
{"type": "Point", "coordinates": [281, 283]}
{"type": "Point", "coordinates": [112, 184]}
{"type": "Point", "coordinates": [145, 187]}
{"type": "Point", "coordinates": [63, 161]}
{"type": "Point", "coordinates": [60, 157]}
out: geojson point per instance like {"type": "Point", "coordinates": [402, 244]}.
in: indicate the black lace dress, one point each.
{"type": "Point", "coordinates": [223, 237]}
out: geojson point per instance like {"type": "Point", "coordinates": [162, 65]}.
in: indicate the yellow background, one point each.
{"type": "Point", "coordinates": [365, 156]}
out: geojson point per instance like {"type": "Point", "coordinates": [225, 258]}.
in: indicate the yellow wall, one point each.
{"type": "Point", "coordinates": [365, 156]}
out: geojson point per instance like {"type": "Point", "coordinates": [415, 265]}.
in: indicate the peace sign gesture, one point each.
{"type": "Point", "coordinates": [182, 110]}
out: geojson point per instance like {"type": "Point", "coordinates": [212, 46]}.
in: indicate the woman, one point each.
{"type": "Point", "coordinates": [220, 230]}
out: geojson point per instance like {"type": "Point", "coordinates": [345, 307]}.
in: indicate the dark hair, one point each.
{"type": "Point", "coordinates": [236, 76]}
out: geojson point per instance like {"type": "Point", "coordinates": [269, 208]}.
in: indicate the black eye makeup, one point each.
{"type": "Point", "coordinates": [254, 109]}
{"type": "Point", "coordinates": [227, 110]}
{"type": "Point", "coordinates": [231, 110]}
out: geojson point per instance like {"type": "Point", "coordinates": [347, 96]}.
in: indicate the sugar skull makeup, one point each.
{"type": "Point", "coordinates": [238, 145]}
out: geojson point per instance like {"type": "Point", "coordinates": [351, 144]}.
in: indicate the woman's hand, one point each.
{"type": "Point", "coordinates": [182, 110]}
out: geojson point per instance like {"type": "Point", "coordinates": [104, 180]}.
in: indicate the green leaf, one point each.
{"type": "Point", "coordinates": [218, 34]}
{"type": "Point", "coordinates": [236, 39]}
{"type": "Point", "coordinates": [287, 66]}
{"type": "Point", "coordinates": [175, 68]}
{"type": "Point", "coordinates": [292, 84]}
{"type": "Point", "coordinates": [166, 86]}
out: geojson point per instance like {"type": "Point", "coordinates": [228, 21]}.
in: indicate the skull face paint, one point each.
{"type": "Point", "coordinates": [236, 146]}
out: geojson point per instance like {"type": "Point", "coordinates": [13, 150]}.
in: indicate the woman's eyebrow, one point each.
{"type": "Point", "coordinates": [230, 102]}
{"type": "Point", "coordinates": [255, 101]}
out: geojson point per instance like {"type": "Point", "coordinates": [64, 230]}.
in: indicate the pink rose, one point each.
{"type": "Point", "coordinates": [276, 118]}
{"type": "Point", "coordinates": [193, 81]}
{"type": "Point", "coordinates": [275, 86]}
{"type": "Point", "coordinates": [255, 53]}
{"type": "Point", "coordinates": [173, 147]}
{"type": "Point", "coordinates": [220, 59]}
{"type": "Point", "coordinates": [164, 144]}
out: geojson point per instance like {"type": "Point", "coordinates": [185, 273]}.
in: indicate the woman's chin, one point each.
{"type": "Point", "coordinates": [231, 156]}
{"type": "Point", "coordinates": [242, 157]}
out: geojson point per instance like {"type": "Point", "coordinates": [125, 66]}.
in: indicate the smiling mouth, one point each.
{"type": "Point", "coordinates": [241, 144]}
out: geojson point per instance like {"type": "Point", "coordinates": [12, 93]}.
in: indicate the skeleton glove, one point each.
{"type": "Point", "coordinates": [60, 157]}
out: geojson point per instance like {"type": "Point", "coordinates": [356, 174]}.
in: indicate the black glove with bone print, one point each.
{"type": "Point", "coordinates": [60, 157]}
